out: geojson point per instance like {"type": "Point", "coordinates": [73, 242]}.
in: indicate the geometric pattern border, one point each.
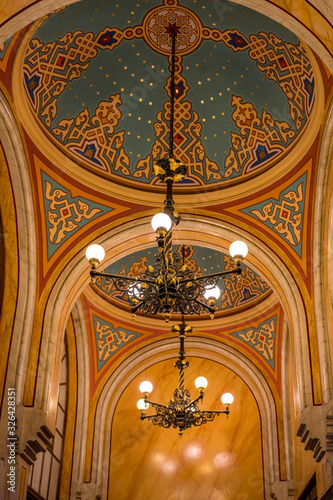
{"type": "Point", "coordinates": [261, 339]}
{"type": "Point", "coordinates": [284, 215]}
{"type": "Point", "coordinates": [109, 339]}
{"type": "Point", "coordinates": [64, 214]}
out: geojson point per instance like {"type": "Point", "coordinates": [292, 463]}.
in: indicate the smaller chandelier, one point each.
{"type": "Point", "coordinates": [181, 412]}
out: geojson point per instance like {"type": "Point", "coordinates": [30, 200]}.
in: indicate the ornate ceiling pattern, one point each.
{"type": "Point", "coordinates": [90, 88]}
{"type": "Point", "coordinates": [121, 129]}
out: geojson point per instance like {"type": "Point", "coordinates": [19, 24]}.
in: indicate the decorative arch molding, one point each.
{"type": "Point", "coordinates": [195, 229]}
{"type": "Point", "coordinates": [29, 14]}
{"type": "Point", "coordinates": [320, 258]}
{"type": "Point", "coordinates": [19, 245]}
{"type": "Point", "coordinates": [199, 347]}
{"type": "Point", "coordinates": [83, 394]}
{"type": "Point", "coordinates": [25, 217]}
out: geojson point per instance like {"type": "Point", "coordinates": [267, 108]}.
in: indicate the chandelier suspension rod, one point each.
{"type": "Point", "coordinates": [179, 363]}
{"type": "Point", "coordinates": [172, 90]}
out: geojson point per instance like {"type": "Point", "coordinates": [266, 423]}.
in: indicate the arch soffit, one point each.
{"type": "Point", "coordinates": [322, 250]}
{"type": "Point", "coordinates": [24, 207]}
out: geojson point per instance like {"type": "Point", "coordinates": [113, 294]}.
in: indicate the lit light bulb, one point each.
{"type": "Point", "coordinates": [146, 387]}
{"type": "Point", "coordinates": [142, 405]}
{"type": "Point", "coordinates": [95, 253]}
{"type": "Point", "coordinates": [238, 249]}
{"type": "Point", "coordinates": [161, 220]}
{"type": "Point", "coordinates": [134, 290]}
{"type": "Point", "coordinates": [201, 383]}
{"type": "Point", "coordinates": [227, 398]}
{"type": "Point", "coordinates": [212, 293]}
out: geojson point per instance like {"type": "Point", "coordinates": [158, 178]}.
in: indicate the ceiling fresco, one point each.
{"type": "Point", "coordinates": [93, 109]}
{"type": "Point", "coordinates": [96, 76]}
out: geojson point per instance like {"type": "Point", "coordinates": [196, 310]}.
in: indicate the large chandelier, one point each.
{"type": "Point", "coordinates": [181, 412]}
{"type": "Point", "coordinates": [168, 286]}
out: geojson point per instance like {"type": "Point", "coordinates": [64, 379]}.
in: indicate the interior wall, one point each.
{"type": "Point", "coordinates": [64, 297]}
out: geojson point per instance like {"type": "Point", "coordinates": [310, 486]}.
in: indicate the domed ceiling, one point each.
{"type": "Point", "coordinates": [96, 77]}
{"type": "Point", "coordinates": [91, 87]}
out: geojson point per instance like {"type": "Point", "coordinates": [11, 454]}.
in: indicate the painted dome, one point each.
{"type": "Point", "coordinates": [96, 77]}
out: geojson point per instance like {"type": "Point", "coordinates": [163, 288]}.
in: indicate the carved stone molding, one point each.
{"type": "Point", "coordinates": [329, 433]}
{"type": "Point", "coordinates": [311, 443]}
{"type": "Point", "coordinates": [33, 447]}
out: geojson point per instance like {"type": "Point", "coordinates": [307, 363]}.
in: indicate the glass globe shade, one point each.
{"type": "Point", "coordinates": [146, 387]}
{"type": "Point", "coordinates": [238, 248]}
{"type": "Point", "coordinates": [142, 405]}
{"type": "Point", "coordinates": [135, 291]}
{"type": "Point", "coordinates": [201, 383]}
{"type": "Point", "coordinates": [212, 293]}
{"type": "Point", "coordinates": [95, 252]}
{"type": "Point", "coordinates": [227, 398]}
{"type": "Point", "coordinates": [161, 220]}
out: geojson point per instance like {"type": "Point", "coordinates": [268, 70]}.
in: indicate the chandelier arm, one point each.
{"type": "Point", "coordinates": [217, 412]}
{"type": "Point", "coordinates": [195, 401]}
{"type": "Point", "coordinates": [162, 422]}
{"type": "Point", "coordinates": [211, 309]}
{"type": "Point", "coordinates": [237, 270]}
{"type": "Point", "coordinates": [97, 274]}
{"type": "Point", "coordinates": [155, 418]}
{"type": "Point", "coordinates": [135, 308]}
{"type": "Point", "coordinates": [146, 416]}
{"type": "Point", "coordinates": [152, 309]}
{"type": "Point", "coordinates": [156, 404]}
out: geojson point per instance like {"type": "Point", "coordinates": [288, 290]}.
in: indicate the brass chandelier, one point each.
{"type": "Point", "coordinates": [168, 286]}
{"type": "Point", "coordinates": [181, 412]}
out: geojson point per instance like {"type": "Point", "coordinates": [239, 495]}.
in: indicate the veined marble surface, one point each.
{"type": "Point", "coordinates": [221, 460]}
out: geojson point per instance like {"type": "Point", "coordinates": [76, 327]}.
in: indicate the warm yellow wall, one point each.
{"type": "Point", "coordinates": [10, 280]}
{"type": "Point", "coordinates": [220, 459]}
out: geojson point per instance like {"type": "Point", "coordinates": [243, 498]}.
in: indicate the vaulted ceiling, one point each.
{"type": "Point", "coordinates": [90, 87]}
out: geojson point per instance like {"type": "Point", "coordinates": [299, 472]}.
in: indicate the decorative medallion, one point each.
{"type": "Point", "coordinates": [159, 22]}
